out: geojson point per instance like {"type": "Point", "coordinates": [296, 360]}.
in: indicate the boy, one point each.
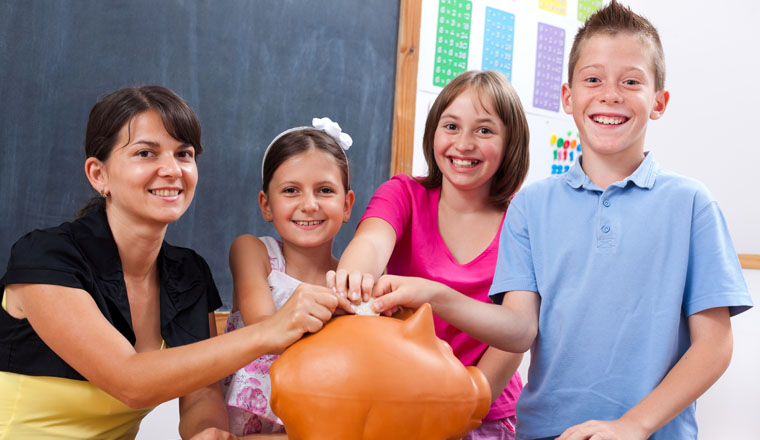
{"type": "Point", "coordinates": [620, 276]}
{"type": "Point", "coordinates": [634, 266]}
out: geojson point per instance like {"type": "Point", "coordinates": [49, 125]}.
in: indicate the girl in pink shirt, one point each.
{"type": "Point", "coordinates": [445, 227]}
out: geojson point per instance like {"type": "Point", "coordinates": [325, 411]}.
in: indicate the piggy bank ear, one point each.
{"type": "Point", "coordinates": [419, 326]}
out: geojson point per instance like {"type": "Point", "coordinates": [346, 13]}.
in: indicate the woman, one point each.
{"type": "Point", "coordinates": [102, 319]}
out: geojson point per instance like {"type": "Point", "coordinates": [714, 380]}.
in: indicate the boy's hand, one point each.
{"type": "Point", "coordinates": [392, 291]}
{"type": "Point", "coordinates": [604, 430]}
{"type": "Point", "coordinates": [355, 286]}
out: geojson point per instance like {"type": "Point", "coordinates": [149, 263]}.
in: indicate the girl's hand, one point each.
{"type": "Point", "coordinates": [355, 286]}
{"type": "Point", "coordinates": [307, 310]}
{"type": "Point", "coordinates": [213, 434]}
{"type": "Point", "coordinates": [604, 430]}
{"type": "Point", "coordinates": [392, 291]}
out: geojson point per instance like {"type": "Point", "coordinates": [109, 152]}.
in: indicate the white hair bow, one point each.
{"type": "Point", "coordinates": [334, 131]}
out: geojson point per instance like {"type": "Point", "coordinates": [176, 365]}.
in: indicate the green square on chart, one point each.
{"type": "Point", "coordinates": [587, 7]}
{"type": "Point", "coordinates": [452, 40]}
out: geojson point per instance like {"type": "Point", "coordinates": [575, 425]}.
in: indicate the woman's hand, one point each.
{"type": "Point", "coordinates": [307, 310]}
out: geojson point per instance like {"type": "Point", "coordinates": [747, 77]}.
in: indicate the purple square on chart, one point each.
{"type": "Point", "coordinates": [550, 56]}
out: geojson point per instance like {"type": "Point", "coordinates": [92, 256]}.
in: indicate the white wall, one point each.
{"type": "Point", "coordinates": [710, 129]}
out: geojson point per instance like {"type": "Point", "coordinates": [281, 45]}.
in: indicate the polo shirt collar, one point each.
{"type": "Point", "coordinates": [643, 177]}
{"type": "Point", "coordinates": [575, 176]}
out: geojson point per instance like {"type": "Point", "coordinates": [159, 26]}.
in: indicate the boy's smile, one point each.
{"type": "Point", "coordinates": [613, 96]}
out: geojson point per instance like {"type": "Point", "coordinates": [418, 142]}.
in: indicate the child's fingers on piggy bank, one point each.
{"type": "Point", "coordinates": [344, 306]}
{"type": "Point", "coordinates": [394, 291]}
{"type": "Point", "coordinates": [349, 284]}
{"type": "Point", "coordinates": [389, 294]}
{"type": "Point", "coordinates": [367, 283]}
{"type": "Point", "coordinates": [356, 284]}
{"type": "Point", "coordinates": [337, 280]}
{"type": "Point", "coordinates": [331, 283]}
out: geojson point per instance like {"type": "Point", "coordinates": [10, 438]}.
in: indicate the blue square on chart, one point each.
{"type": "Point", "coordinates": [498, 41]}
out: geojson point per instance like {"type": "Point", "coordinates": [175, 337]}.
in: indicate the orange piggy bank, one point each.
{"type": "Point", "coordinates": [376, 377]}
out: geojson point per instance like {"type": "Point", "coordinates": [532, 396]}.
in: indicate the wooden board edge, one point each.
{"type": "Point", "coordinates": [221, 321]}
{"type": "Point", "coordinates": [405, 94]}
{"type": "Point", "coordinates": [750, 261]}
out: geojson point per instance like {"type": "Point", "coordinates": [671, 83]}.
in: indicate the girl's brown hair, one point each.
{"type": "Point", "coordinates": [297, 141]}
{"type": "Point", "coordinates": [514, 166]}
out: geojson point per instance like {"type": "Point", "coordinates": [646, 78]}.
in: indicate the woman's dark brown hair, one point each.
{"type": "Point", "coordinates": [493, 86]}
{"type": "Point", "coordinates": [117, 108]}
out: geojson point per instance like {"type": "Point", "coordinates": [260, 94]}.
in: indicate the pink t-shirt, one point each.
{"type": "Point", "coordinates": [412, 211]}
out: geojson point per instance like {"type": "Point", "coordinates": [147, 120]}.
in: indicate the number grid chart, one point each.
{"type": "Point", "coordinates": [498, 41]}
{"type": "Point", "coordinates": [550, 53]}
{"type": "Point", "coordinates": [452, 40]}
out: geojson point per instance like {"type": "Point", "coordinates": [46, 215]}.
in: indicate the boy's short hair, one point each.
{"type": "Point", "coordinates": [494, 86]}
{"type": "Point", "coordinates": [611, 20]}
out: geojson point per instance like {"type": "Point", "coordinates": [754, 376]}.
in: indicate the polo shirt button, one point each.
{"type": "Point", "coordinates": [606, 203]}
{"type": "Point", "coordinates": [605, 229]}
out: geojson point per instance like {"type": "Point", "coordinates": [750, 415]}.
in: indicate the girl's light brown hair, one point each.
{"type": "Point", "coordinates": [493, 86]}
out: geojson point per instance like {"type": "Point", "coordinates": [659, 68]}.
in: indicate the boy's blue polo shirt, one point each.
{"type": "Point", "coordinates": [618, 271]}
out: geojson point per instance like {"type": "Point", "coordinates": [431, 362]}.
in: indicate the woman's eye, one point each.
{"type": "Point", "coordinates": [289, 190]}
{"type": "Point", "coordinates": [631, 82]}
{"type": "Point", "coordinates": [326, 190]}
{"type": "Point", "coordinates": [144, 153]}
{"type": "Point", "coordinates": [450, 126]}
{"type": "Point", "coordinates": [484, 130]}
{"type": "Point", "coordinates": [186, 154]}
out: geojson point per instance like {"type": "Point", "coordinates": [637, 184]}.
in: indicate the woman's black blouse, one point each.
{"type": "Point", "coordinates": [82, 254]}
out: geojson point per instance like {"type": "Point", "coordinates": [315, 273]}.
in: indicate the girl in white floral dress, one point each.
{"type": "Point", "coordinates": [306, 195]}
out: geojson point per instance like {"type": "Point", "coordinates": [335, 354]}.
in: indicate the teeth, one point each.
{"type": "Point", "coordinates": [608, 120]}
{"type": "Point", "coordinates": [309, 223]}
{"type": "Point", "coordinates": [165, 192]}
{"type": "Point", "coordinates": [464, 163]}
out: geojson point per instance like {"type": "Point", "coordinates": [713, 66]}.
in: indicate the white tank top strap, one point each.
{"type": "Point", "coordinates": [281, 285]}
{"type": "Point", "coordinates": [276, 259]}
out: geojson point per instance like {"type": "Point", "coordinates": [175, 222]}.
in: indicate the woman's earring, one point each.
{"type": "Point", "coordinates": [103, 194]}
